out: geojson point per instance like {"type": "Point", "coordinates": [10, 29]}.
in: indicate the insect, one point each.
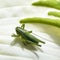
{"type": "Point", "coordinates": [25, 39]}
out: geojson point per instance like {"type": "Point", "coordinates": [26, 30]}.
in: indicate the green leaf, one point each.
{"type": "Point", "coordinates": [54, 13]}
{"type": "Point", "coordinates": [53, 22]}
{"type": "Point", "coordinates": [48, 3]}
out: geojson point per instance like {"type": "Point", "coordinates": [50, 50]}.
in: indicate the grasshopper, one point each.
{"type": "Point", "coordinates": [25, 39]}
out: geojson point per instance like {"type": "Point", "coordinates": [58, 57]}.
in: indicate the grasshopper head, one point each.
{"type": "Point", "coordinates": [19, 30]}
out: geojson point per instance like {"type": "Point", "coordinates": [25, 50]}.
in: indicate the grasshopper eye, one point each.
{"type": "Point", "coordinates": [17, 30]}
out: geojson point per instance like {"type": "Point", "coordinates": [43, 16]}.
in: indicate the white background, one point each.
{"type": "Point", "coordinates": [11, 11]}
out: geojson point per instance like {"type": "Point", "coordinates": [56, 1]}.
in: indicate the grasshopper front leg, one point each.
{"type": "Point", "coordinates": [23, 26]}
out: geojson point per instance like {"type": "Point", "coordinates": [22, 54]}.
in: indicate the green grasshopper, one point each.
{"type": "Point", "coordinates": [25, 39]}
